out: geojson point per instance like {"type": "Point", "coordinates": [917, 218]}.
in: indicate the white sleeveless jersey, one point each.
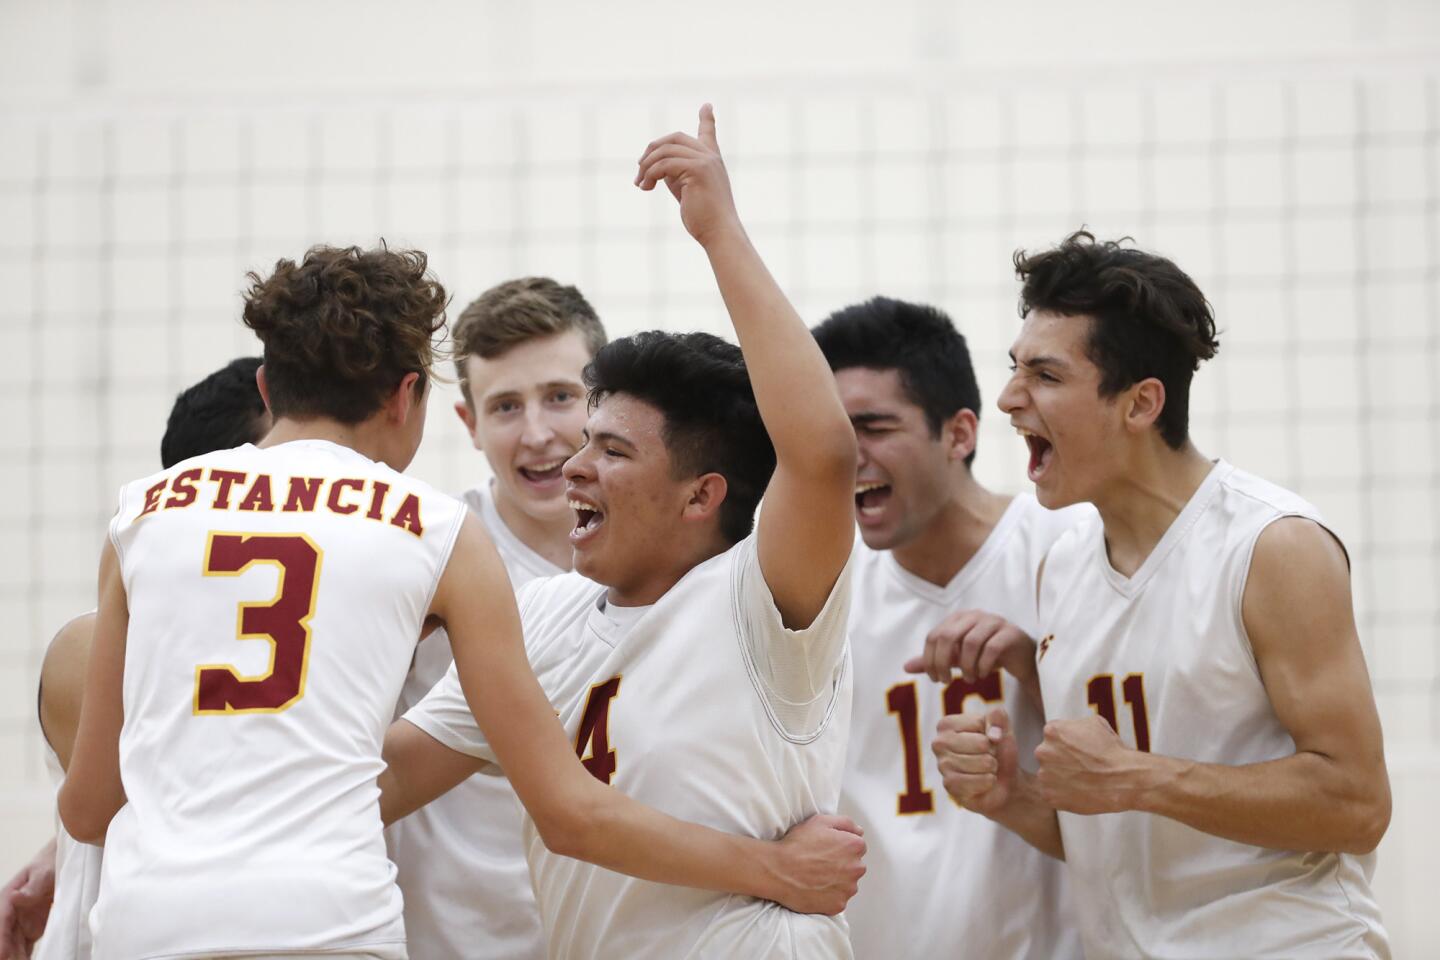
{"type": "Point", "coordinates": [677, 708]}
{"type": "Point", "coordinates": [275, 598]}
{"type": "Point", "coordinates": [461, 862]}
{"type": "Point", "coordinates": [77, 880]}
{"type": "Point", "coordinates": [940, 880]}
{"type": "Point", "coordinates": [1163, 655]}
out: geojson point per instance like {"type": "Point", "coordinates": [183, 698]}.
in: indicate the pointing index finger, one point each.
{"type": "Point", "coordinates": [707, 127]}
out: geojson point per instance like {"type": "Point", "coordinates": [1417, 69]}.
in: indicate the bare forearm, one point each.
{"type": "Point", "coordinates": [1028, 816]}
{"type": "Point", "coordinates": [627, 837]}
{"type": "Point", "coordinates": [794, 387]}
{"type": "Point", "coordinates": [1304, 802]}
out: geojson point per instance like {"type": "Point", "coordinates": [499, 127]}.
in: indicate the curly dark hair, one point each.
{"type": "Point", "coordinates": [343, 327]}
{"type": "Point", "coordinates": [1148, 318]}
{"type": "Point", "coordinates": [517, 311]}
{"type": "Point", "coordinates": [917, 341]}
{"type": "Point", "coordinates": [222, 411]}
{"type": "Point", "coordinates": [712, 425]}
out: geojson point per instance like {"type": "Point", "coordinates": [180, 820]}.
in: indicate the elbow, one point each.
{"type": "Point", "coordinates": [84, 819]}
{"type": "Point", "coordinates": [568, 831]}
{"type": "Point", "coordinates": [1369, 823]}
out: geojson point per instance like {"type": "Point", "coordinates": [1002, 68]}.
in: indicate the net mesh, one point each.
{"type": "Point", "coordinates": [1307, 207]}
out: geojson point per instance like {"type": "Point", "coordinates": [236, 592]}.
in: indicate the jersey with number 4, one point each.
{"type": "Point", "coordinates": [677, 706]}
{"type": "Point", "coordinates": [275, 598]}
{"type": "Point", "coordinates": [1164, 657]}
{"type": "Point", "coordinates": [940, 880]}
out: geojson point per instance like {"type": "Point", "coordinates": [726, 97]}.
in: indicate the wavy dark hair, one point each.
{"type": "Point", "coordinates": [917, 341]}
{"type": "Point", "coordinates": [343, 327]}
{"type": "Point", "coordinates": [700, 385]}
{"type": "Point", "coordinates": [1147, 317]}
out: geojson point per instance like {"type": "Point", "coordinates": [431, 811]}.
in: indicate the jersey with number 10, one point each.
{"type": "Point", "coordinates": [942, 881]}
{"type": "Point", "coordinates": [275, 598]}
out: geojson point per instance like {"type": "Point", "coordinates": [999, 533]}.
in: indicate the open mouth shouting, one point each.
{"type": "Point", "coordinates": [870, 500]}
{"type": "Point", "coordinates": [1042, 452]}
{"type": "Point", "coordinates": [589, 518]}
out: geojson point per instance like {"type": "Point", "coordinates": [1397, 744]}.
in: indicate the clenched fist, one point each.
{"type": "Point", "coordinates": [1086, 768]}
{"type": "Point", "coordinates": [978, 759]}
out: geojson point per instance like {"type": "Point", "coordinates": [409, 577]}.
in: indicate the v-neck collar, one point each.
{"type": "Point", "coordinates": [1197, 505]}
{"type": "Point", "coordinates": [991, 548]}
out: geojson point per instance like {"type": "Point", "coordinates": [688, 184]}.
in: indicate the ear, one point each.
{"type": "Point", "coordinates": [403, 401]}
{"type": "Point", "coordinates": [264, 388]}
{"type": "Point", "coordinates": [466, 415]}
{"type": "Point", "coordinates": [1147, 401]}
{"type": "Point", "coordinates": [707, 493]}
{"type": "Point", "coordinates": [960, 434]}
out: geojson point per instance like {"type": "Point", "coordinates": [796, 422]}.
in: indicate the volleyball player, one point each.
{"type": "Point", "coordinates": [241, 735]}
{"type": "Point", "coordinates": [1213, 771]}
{"type": "Point", "coordinates": [520, 352]}
{"type": "Point", "coordinates": [697, 657]}
{"type": "Point", "coordinates": [939, 552]}
{"type": "Point", "coordinates": [54, 893]}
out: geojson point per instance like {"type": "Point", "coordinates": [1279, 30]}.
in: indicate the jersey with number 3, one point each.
{"type": "Point", "coordinates": [1164, 657]}
{"type": "Point", "coordinates": [940, 880]}
{"type": "Point", "coordinates": [275, 599]}
{"type": "Point", "coordinates": [674, 705]}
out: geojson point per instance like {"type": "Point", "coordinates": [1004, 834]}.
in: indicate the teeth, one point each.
{"type": "Point", "coordinates": [577, 505]}
{"type": "Point", "coordinates": [543, 467]}
{"type": "Point", "coordinates": [1023, 432]}
{"type": "Point", "coordinates": [866, 487]}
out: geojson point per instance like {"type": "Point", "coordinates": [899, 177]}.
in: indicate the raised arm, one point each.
{"type": "Point", "coordinates": [1332, 794]}
{"type": "Point", "coordinates": [806, 526]}
{"type": "Point", "coordinates": [814, 869]}
{"type": "Point", "coordinates": [92, 792]}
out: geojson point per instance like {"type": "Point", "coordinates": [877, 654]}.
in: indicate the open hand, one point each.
{"type": "Point", "coordinates": [25, 905]}
{"type": "Point", "coordinates": [695, 173]}
{"type": "Point", "coordinates": [975, 642]}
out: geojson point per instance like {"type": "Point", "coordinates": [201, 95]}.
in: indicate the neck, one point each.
{"type": "Point", "coordinates": [661, 575]}
{"type": "Point", "coordinates": [549, 538]}
{"type": "Point", "coordinates": [1144, 501]}
{"type": "Point", "coordinates": [360, 437]}
{"type": "Point", "coordinates": [950, 538]}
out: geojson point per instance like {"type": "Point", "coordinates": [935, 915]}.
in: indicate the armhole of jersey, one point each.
{"type": "Point", "coordinates": [1244, 577]}
{"type": "Point", "coordinates": [113, 530]}
{"type": "Point", "coordinates": [445, 553]}
{"type": "Point", "coordinates": [747, 655]}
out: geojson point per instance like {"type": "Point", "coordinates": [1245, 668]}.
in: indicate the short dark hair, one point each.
{"type": "Point", "coordinates": [700, 385]}
{"type": "Point", "coordinates": [343, 327]}
{"type": "Point", "coordinates": [1147, 317]}
{"type": "Point", "coordinates": [222, 411]}
{"type": "Point", "coordinates": [917, 341]}
{"type": "Point", "coordinates": [517, 311]}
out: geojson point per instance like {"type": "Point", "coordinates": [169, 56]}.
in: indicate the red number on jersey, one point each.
{"type": "Point", "coordinates": [594, 731]}
{"type": "Point", "coordinates": [901, 700]}
{"type": "Point", "coordinates": [284, 621]}
{"type": "Point", "coordinates": [1100, 692]}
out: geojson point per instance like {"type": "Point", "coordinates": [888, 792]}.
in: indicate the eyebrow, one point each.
{"type": "Point", "coordinates": [1040, 361]}
{"type": "Point", "coordinates": [607, 436]}
{"type": "Point", "coordinates": [547, 385]}
{"type": "Point", "coordinates": [869, 417]}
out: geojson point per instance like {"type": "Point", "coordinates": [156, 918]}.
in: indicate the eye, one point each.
{"type": "Point", "coordinates": [1048, 378]}
{"type": "Point", "coordinates": [562, 396]}
{"type": "Point", "coordinates": [505, 406]}
{"type": "Point", "coordinates": [612, 452]}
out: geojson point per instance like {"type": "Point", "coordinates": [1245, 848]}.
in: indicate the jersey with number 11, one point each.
{"type": "Point", "coordinates": [275, 599]}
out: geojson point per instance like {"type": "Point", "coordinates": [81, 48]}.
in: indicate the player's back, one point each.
{"type": "Point", "coordinates": [275, 597]}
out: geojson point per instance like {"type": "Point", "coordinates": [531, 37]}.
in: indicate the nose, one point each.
{"type": "Point", "coordinates": [579, 466]}
{"type": "Point", "coordinates": [1012, 398]}
{"type": "Point", "coordinates": [537, 432]}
